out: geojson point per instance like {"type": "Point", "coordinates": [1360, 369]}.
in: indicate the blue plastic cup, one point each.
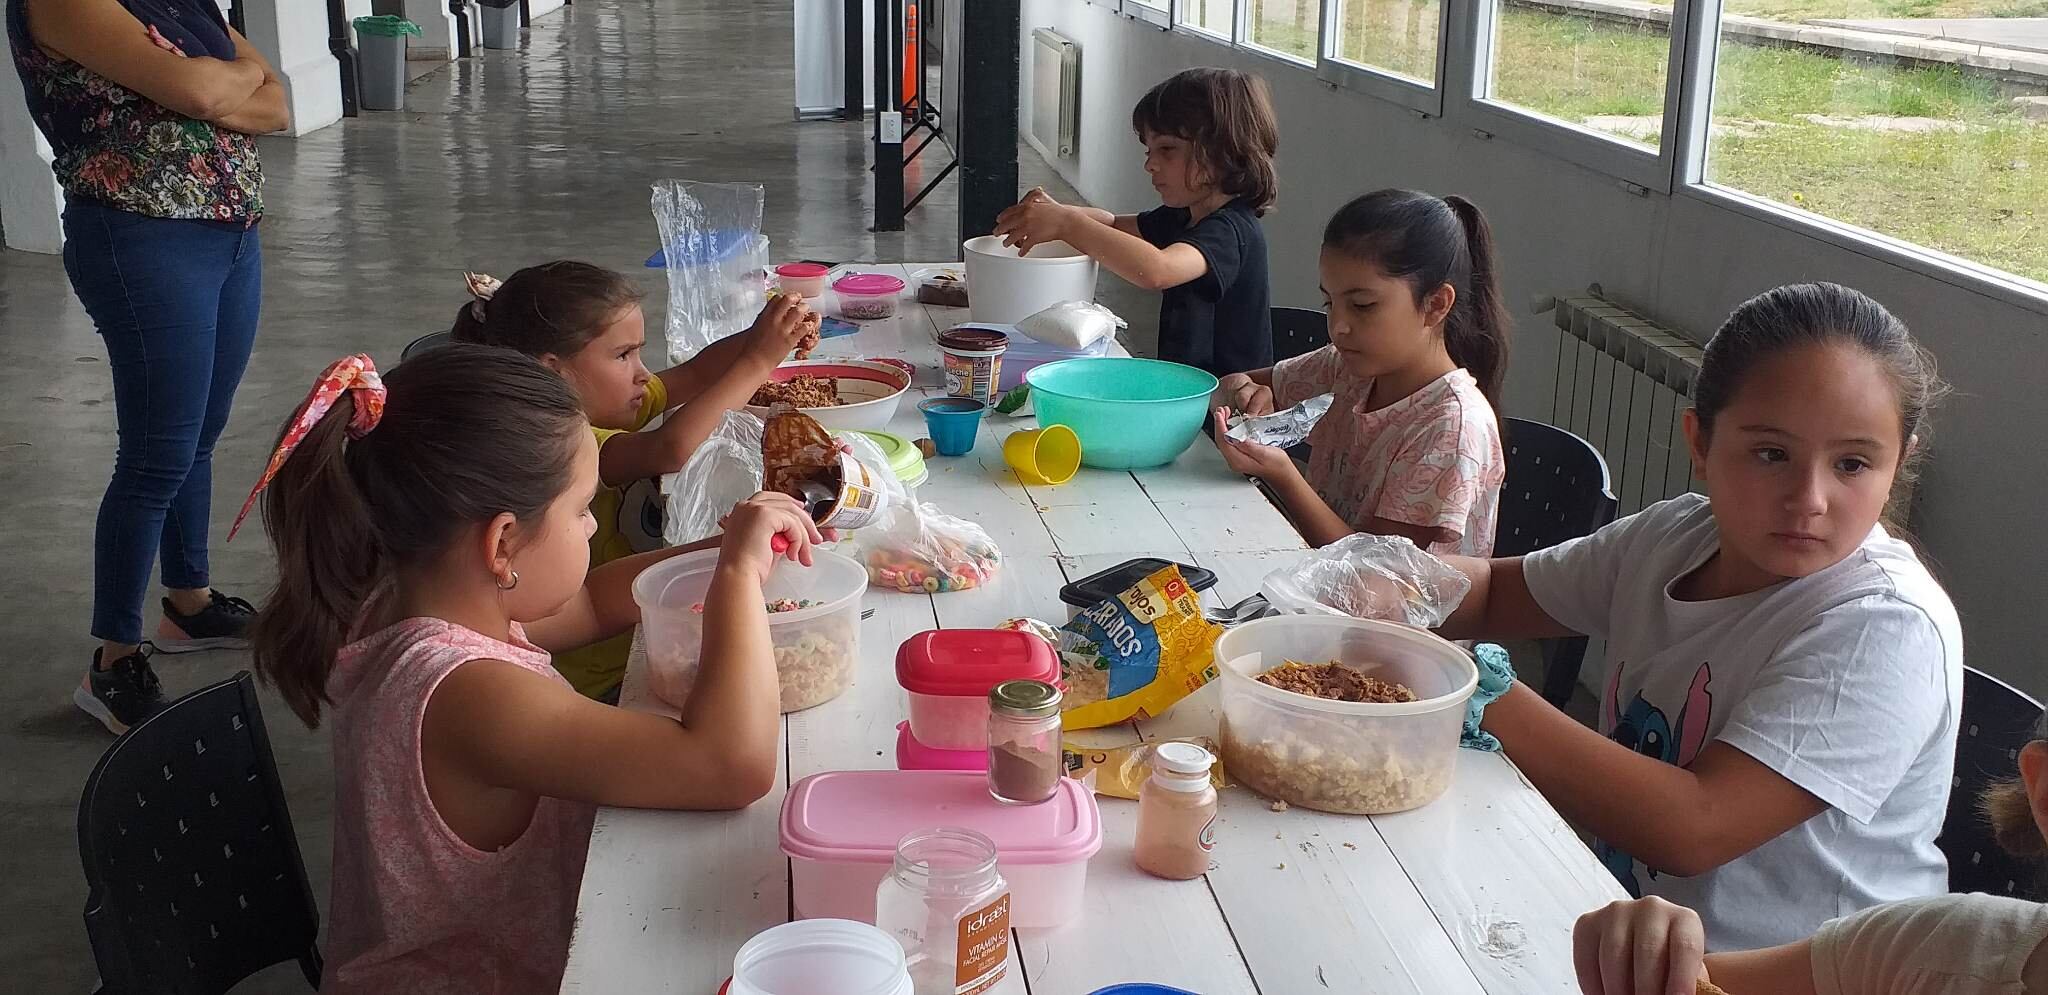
{"type": "Point", "coordinates": [953, 422]}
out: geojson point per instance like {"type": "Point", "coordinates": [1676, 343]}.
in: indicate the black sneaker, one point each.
{"type": "Point", "coordinates": [123, 694]}
{"type": "Point", "coordinates": [222, 624]}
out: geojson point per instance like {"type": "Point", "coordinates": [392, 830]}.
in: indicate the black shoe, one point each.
{"type": "Point", "coordinates": [222, 624]}
{"type": "Point", "coordinates": [123, 694]}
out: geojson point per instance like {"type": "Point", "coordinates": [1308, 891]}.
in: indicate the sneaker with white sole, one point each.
{"type": "Point", "coordinates": [222, 624]}
{"type": "Point", "coordinates": [123, 694]}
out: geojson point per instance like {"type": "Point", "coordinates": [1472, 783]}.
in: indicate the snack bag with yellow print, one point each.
{"type": "Point", "coordinates": [1135, 655]}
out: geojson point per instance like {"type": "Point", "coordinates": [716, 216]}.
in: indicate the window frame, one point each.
{"type": "Point", "coordinates": [1643, 169]}
{"type": "Point", "coordinates": [1426, 99]}
{"type": "Point", "coordinates": [1229, 40]}
{"type": "Point", "coordinates": [1243, 17]}
{"type": "Point", "coordinates": [1161, 17]}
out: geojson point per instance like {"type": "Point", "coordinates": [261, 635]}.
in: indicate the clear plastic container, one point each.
{"type": "Point", "coordinates": [868, 296]}
{"type": "Point", "coordinates": [948, 674]}
{"type": "Point", "coordinates": [820, 955]}
{"type": "Point", "coordinates": [1357, 758]}
{"type": "Point", "coordinates": [805, 280]}
{"type": "Point", "coordinates": [946, 902]}
{"type": "Point", "coordinates": [816, 648]}
{"type": "Point", "coordinates": [840, 831]}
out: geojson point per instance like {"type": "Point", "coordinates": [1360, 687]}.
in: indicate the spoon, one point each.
{"type": "Point", "coordinates": [1250, 608]}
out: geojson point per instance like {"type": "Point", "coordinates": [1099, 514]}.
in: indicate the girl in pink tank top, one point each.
{"type": "Point", "coordinates": [432, 545]}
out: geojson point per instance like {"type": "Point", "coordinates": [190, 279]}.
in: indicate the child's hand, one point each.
{"type": "Point", "coordinates": [765, 528]}
{"type": "Point", "coordinates": [784, 324]}
{"type": "Point", "coordinates": [1644, 947]}
{"type": "Point", "coordinates": [1240, 392]}
{"type": "Point", "coordinates": [1036, 219]}
{"type": "Point", "coordinates": [1250, 458]}
{"type": "Point", "coordinates": [157, 37]}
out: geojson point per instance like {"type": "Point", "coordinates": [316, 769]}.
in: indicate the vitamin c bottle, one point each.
{"type": "Point", "coordinates": [947, 904]}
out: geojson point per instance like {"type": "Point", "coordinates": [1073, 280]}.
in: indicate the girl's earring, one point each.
{"type": "Point", "coordinates": [506, 585]}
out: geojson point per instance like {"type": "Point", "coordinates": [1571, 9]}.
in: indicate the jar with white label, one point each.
{"type": "Point", "coordinates": [947, 904]}
{"type": "Point", "coordinates": [1177, 813]}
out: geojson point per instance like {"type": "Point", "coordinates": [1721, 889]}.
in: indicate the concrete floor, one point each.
{"type": "Point", "coordinates": [503, 160]}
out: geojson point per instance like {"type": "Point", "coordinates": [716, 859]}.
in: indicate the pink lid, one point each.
{"type": "Point", "coordinates": [967, 662]}
{"type": "Point", "coordinates": [869, 285]}
{"type": "Point", "coordinates": [857, 816]}
{"type": "Point", "coordinates": [913, 755]}
{"type": "Point", "coordinates": [801, 271]}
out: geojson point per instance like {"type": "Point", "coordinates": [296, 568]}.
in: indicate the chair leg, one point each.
{"type": "Point", "coordinates": [311, 966]}
{"type": "Point", "coordinates": [1561, 669]}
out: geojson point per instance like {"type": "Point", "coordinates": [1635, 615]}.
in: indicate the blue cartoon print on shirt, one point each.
{"type": "Point", "coordinates": [1645, 728]}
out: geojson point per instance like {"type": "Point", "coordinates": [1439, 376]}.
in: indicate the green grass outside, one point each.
{"type": "Point", "coordinates": [1806, 10]}
{"type": "Point", "coordinates": [1980, 193]}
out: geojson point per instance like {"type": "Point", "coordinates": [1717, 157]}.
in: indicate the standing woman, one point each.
{"type": "Point", "coordinates": [149, 106]}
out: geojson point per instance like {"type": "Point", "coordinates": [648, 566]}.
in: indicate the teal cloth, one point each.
{"type": "Point", "coordinates": [1496, 676]}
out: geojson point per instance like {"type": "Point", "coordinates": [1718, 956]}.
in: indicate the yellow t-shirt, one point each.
{"type": "Point", "coordinates": [628, 522]}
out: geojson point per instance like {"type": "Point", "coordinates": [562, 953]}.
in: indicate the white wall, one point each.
{"type": "Point", "coordinates": [292, 34]}
{"type": "Point", "coordinates": [1682, 261]}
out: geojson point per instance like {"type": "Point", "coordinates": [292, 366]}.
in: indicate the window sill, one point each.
{"type": "Point", "coordinates": [1414, 94]}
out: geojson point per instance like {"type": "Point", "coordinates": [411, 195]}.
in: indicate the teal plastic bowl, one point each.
{"type": "Point", "coordinates": [1129, 413]}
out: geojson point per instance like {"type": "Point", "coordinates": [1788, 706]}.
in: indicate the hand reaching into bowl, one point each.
{"type": "Point", "coordinates": [1035, 220]}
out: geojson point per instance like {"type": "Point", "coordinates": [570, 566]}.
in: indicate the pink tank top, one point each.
{"type": "Point", "coordinates": [415, 909]}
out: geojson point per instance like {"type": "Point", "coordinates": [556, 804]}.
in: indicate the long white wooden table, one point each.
{"type": "Point", "coordinates": [1476, 892]}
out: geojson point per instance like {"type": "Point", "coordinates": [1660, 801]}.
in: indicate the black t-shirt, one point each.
{"type": "Point", "coordinates": [1220, 321]}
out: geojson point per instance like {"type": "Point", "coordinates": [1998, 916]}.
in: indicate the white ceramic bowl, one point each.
{"type": "Point", "coordinates": [872, 389]}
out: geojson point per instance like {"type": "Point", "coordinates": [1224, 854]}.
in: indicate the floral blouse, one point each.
{"type": "Point", "coordinates": [121, 149]}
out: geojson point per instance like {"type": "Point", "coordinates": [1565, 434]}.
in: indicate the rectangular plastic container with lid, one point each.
{"type": "Point", "coordinates": [1097, 588]}
{"type": "Point", "coordinates": [840, 831]}
{"type": "Point", "coordinates": [948, 674]}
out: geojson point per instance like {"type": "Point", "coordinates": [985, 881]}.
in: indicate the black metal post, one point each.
{"type": "Point", "coordinates": [460, 8]}
{"type": "Point", "coordinates": [854, 13]}
{"type": "Point", "coordinates": [525, 13]}
{"type": "Point", "coordinates": [345, 54]}
{"type": "Point", "coordinates": [888, 118]}
{"type": "Point", "coordinates": [985, 136]}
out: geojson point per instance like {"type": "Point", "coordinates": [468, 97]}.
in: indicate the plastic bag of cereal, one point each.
{"type": "Point", "coordinates": [1135, 655]}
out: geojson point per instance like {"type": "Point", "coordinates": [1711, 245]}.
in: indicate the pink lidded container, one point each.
{"type": "Point", "coordinates": [840, 831]}
{"type": "Point", "coordinates": [913, 755]}
{"type": "Point", "coordinates": [802, 279]}
{"type": "Point", "coordinates": [868, 296]}
{"type": "Point", "coordinates": [949, 672]}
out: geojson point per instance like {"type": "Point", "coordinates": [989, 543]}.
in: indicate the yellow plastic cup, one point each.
{"type": "Point", "coordinates": [1044, 456]}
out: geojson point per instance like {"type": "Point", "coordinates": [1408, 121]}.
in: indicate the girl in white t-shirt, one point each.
{"type": "Point", "coordinates": [1418, 349]}
{"type": "Point", "coordinates": [1777, 729]}
{"type": "Point", "coordinates": [1944, 945]}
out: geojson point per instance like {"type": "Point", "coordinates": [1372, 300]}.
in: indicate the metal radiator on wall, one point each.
{"type": "Point", "coordinates": [1622, 382]}
{"type": "Point", "coordinates": [1055, 94]}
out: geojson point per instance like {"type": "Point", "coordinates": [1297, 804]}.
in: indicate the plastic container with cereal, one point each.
{"type": "Point", "coordinates": [868, 296]}
{"type": "Point", "coordinates": [1359, 758]}
{"type": "Point", "coordinates": [948, 674]}
{"type": "Point", "coordinates": [816, 647]}
{"type": "Point", "coordinates": [840, 831]}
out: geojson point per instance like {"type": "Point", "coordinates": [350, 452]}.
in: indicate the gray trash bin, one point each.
{"type": "Point", "coordinates": [381, 42]}
{"type": "Point", "coordinates": [501, 24]}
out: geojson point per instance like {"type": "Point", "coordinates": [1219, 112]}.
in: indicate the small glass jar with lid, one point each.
{"type": "Point", "coordinates": [948, 905]}
{"type": "Point", "coordinates": [1024, 763]}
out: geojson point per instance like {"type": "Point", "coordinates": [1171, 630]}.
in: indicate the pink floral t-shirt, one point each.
{"type": "Point", "coordinates": [415, 909]}
{"type": "Point", "coordinates": [1431, 459]}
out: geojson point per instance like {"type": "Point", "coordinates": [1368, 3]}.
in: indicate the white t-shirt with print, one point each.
{"type": "Point", "coordinates": [1946, 945]}
{"type": "Point", "coordinates": [1848, 682]}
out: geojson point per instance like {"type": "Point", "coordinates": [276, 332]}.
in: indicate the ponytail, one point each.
{"type": "Point", "coordinates": [552, 309]}
{"type": "Point", "coordinates": [2011, 812]}
{"type": "Point", "coordinates": [469, 324]}
{"type": "Point", "coordinates": [1476, 333]}
{"type": "Point", "coordinates": [468, 432]}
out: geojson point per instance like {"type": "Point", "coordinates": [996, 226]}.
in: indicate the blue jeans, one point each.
{"type": "Point", "coordinates": [176, 303]}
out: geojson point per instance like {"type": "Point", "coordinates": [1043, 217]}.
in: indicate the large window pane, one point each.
{"type": "Point", "coordinates": [1605, 73]}
{"type": "Point", "coordinates": [1936, 154]}
{"type": "Point", "coordinates": [1214, 16]}
{"type": "Point", "coordinates": [1397, 36]}
{"type": "Point", "coordinates": [1290, 27]}
{"type": "Point", "coordinates": [1154, 4]}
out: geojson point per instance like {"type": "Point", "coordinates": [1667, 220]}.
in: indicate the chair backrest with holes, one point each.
{"type": "Point", "coordinates": [194, 871]}
{"type": "Point", "coordinates": [1298, 331]}
{"type": "Point", "coordinates": [1557, 488]}
{"type": "Point", "coordinates": [425, 342]}
{"type": "Point", "coordinates": [1997, 720]}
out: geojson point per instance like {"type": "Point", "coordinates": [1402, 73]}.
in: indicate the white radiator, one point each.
{"type": "Point", "coordinates": [1623, 383]}
{"type": "Point", "coordinates": [1055, 94]}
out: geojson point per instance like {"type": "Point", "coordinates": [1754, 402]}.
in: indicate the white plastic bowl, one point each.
{"type": "Point", "coordinates": [1357, 758]}
{"type": "Point", "coordinates": [1006, 288]}
{"type": "Point", "coordinates": [873, 390]}
{"type": "Point", "coordinates": [816, 649]}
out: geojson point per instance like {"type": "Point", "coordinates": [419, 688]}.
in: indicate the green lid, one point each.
{"type": "Point", "coordinates": [904, 459]}
{"type": "Point", "coordinates": [386, 26]}
{"type": "Point", "coordinates": [1025, 699]}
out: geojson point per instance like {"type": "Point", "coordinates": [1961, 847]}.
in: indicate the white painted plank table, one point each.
{"type": "Point", "coordinates": [1474, 893]}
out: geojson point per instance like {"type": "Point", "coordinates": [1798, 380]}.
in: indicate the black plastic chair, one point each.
{"type": "Point", "coordinates": [194, 872]}
{"type": "Point", "coordinates": [1298, 331]}
{"type": "Point", "coordinates": [1997, 720]}
{"type": "Point", "coordinates": [425, 342]}
{"type": "Point", "coordinates": [1557, 488]}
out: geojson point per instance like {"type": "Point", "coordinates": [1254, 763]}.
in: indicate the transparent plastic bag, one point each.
{"type": "Point", "coordinates": [1369, 576]}
{"type": "Point", "coordinates": [716, 257]}
{"type": "Point", "coordinates": [1072, 324]}
{"type": "Point", "coordinates": [916, 548]}
{"type": "Point", "coordinates": [724, 471]}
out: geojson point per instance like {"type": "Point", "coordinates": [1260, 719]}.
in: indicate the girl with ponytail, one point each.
{"type": "Point", "coordinates": [1418, 349]}
{"type": "Point", "coordinates": [432, 535]}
